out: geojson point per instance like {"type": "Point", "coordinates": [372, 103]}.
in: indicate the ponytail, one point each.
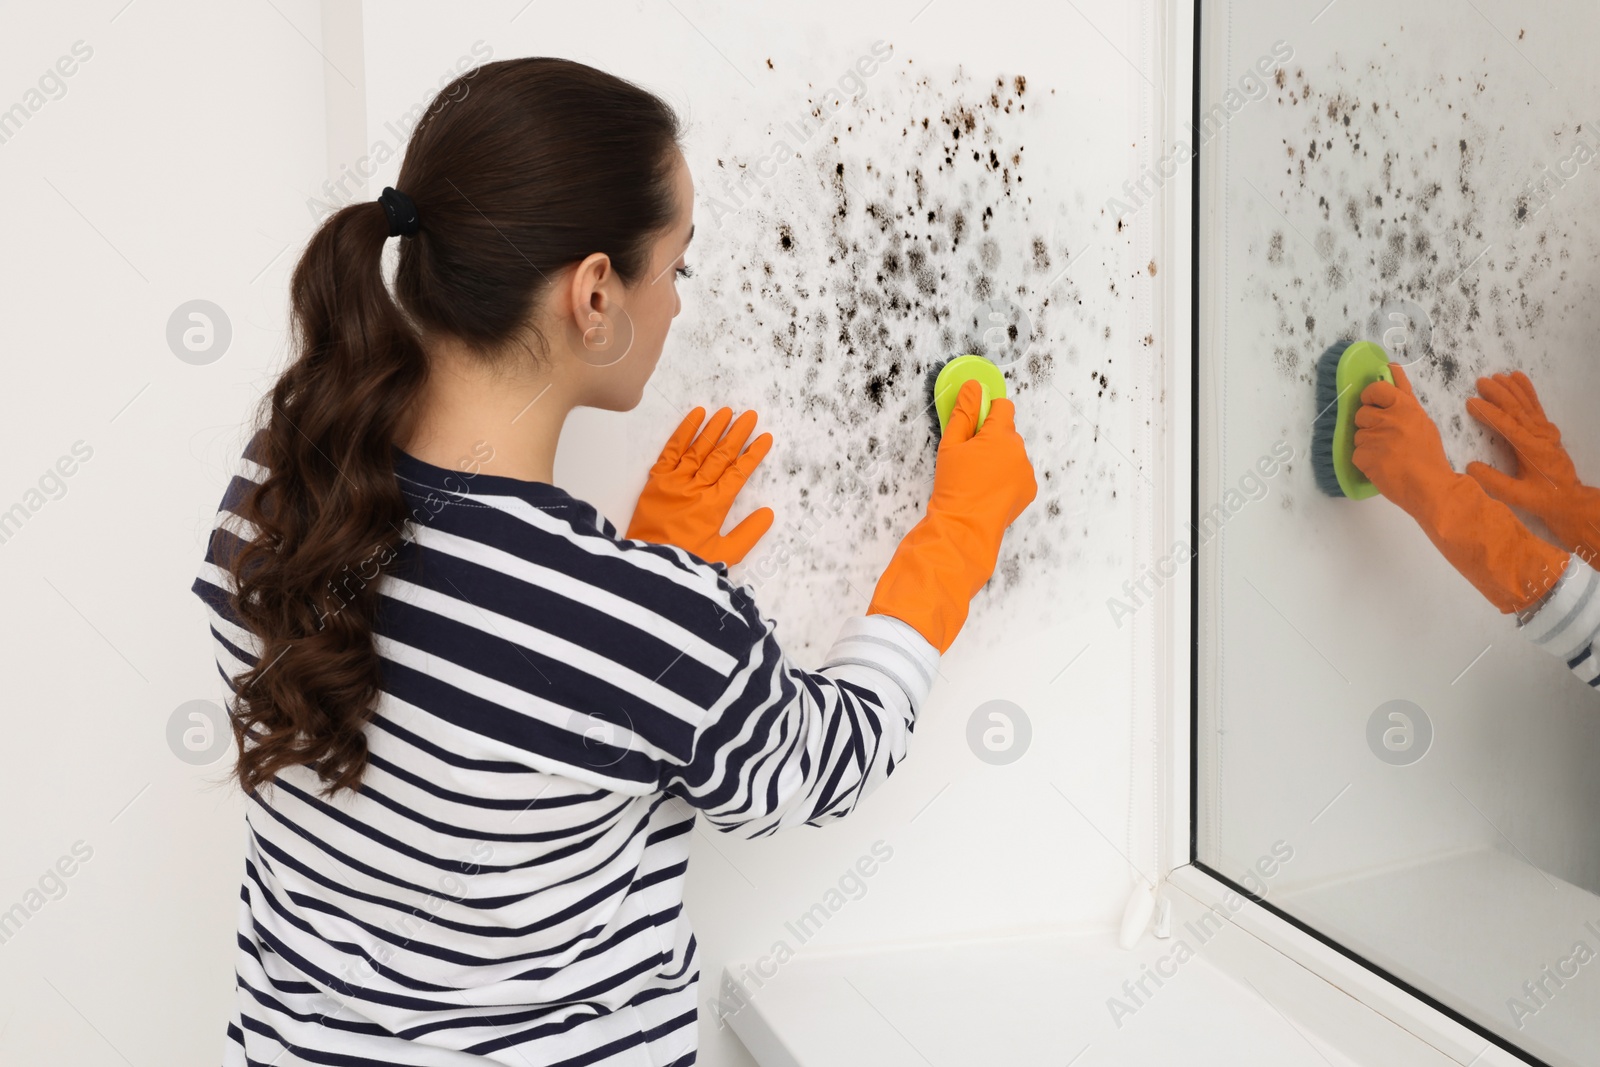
{"type": "Point", "coordinates": [328, 506]}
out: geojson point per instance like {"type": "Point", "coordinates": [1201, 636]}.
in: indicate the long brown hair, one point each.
{"type": "Point", "coordinates": [520, 168]}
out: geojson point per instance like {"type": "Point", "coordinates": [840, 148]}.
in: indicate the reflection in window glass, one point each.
{"type": "Point", "coordinates": [1383, 753]}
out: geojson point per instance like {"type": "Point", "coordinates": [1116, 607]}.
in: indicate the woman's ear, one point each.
{"type": "Point", "coordinates": [594, 318]}
{"type": "Point", "coordinates": [580, 299]}
{"type": "Point", "coordinates": [588, 290]}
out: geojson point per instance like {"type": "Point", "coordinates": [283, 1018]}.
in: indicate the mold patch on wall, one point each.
{"type": "Point", "coordinates": [826, 288]}
{"type": "Point", "coordinates": [1391, 184]}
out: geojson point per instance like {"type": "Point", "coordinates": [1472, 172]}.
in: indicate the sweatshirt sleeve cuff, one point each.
{"type": "Point", "coordinates": [1567, 621]}
{"type": "Point", "coordinates": [892, 647]}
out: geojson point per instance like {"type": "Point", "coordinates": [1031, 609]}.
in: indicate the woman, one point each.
{"type": "Point", "coordinates": [474, 724]}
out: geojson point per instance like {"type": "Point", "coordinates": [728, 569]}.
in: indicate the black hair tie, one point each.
{"type": "Point", "coordinates": [401, 212]}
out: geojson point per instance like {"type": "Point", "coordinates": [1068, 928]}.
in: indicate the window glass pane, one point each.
{"type": "Point", "coordinates": [1382, 753]}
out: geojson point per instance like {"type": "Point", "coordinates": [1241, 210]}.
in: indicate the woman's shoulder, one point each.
{"type": "Point", "coordinates": [546, 535]}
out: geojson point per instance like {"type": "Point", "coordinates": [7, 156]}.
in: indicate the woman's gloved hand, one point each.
{"type": "Point", "coordinates": [691, 489]}
{"type": "Point", "coordinates": [1546, 483]}
{"type": "Point", "coordinates": [981, 483]}
{"type": "Point", "coordinates": [1398, 447]}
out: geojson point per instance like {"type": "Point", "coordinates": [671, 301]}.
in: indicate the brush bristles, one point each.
{"type": "Point", "coordinates": [930, 396]}
{"type": "Point", "coordinates": [1322, 466]}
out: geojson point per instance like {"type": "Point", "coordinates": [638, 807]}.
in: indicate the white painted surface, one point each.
{"type": "Point", "coordinates": [1047, 996]}
{"type": "Point", "coordinates": [171, 169]}
{"type": "Point", "coordinates": [1033, 998]}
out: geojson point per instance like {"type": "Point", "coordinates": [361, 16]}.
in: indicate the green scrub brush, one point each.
{"type": "Point", "coordinates": [1343, 372]}
{"type": "Point", "coordinates": [944, 385]}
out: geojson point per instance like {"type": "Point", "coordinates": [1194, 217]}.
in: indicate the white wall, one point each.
{"type": "Point", "coordinates": [192, 141]}
{"type": "Point", "coordinates": [171, 169]}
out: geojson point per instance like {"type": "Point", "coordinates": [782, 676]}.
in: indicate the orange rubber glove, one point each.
{"type": "Point", "coordinates": [981, 483]}
{"type": "Point", "coordinates": [1546, 483]}
{"type": "Point", "coordinates": [691, 489]}
{"type": "Point", "coordinates": [1398, 447]}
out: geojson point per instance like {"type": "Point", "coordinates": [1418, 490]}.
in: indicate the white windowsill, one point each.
{"type": "Point", "coordinates": [1044, 999]}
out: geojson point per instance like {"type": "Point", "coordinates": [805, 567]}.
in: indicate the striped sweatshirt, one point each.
{"type": "Point", "coordinates": [559, 704]}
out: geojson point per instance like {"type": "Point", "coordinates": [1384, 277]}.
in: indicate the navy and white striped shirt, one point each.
{"type": "Point", "coordinates": [557, 705]}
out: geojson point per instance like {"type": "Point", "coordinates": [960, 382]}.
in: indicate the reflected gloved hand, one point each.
{"type": "Point", "coordinates": [691, 489]}
{"type": "Point", "coordinates": [1398, 447]}
{"type": "Point", "coordinates": [981, 482]}
{"type": "Point", "coordinates": [1545, 483]}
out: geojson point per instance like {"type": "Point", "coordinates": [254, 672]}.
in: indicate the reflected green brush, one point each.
{"type": "Point", "coordinates": [944, 385]}
{"type": "Point", "coordinates": [1343, 372]}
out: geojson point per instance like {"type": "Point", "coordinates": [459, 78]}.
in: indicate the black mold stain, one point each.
{"type": "Point", "coordinates": [874, 249]}
{"type": "Point", "coordinates": [1413, 223]}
